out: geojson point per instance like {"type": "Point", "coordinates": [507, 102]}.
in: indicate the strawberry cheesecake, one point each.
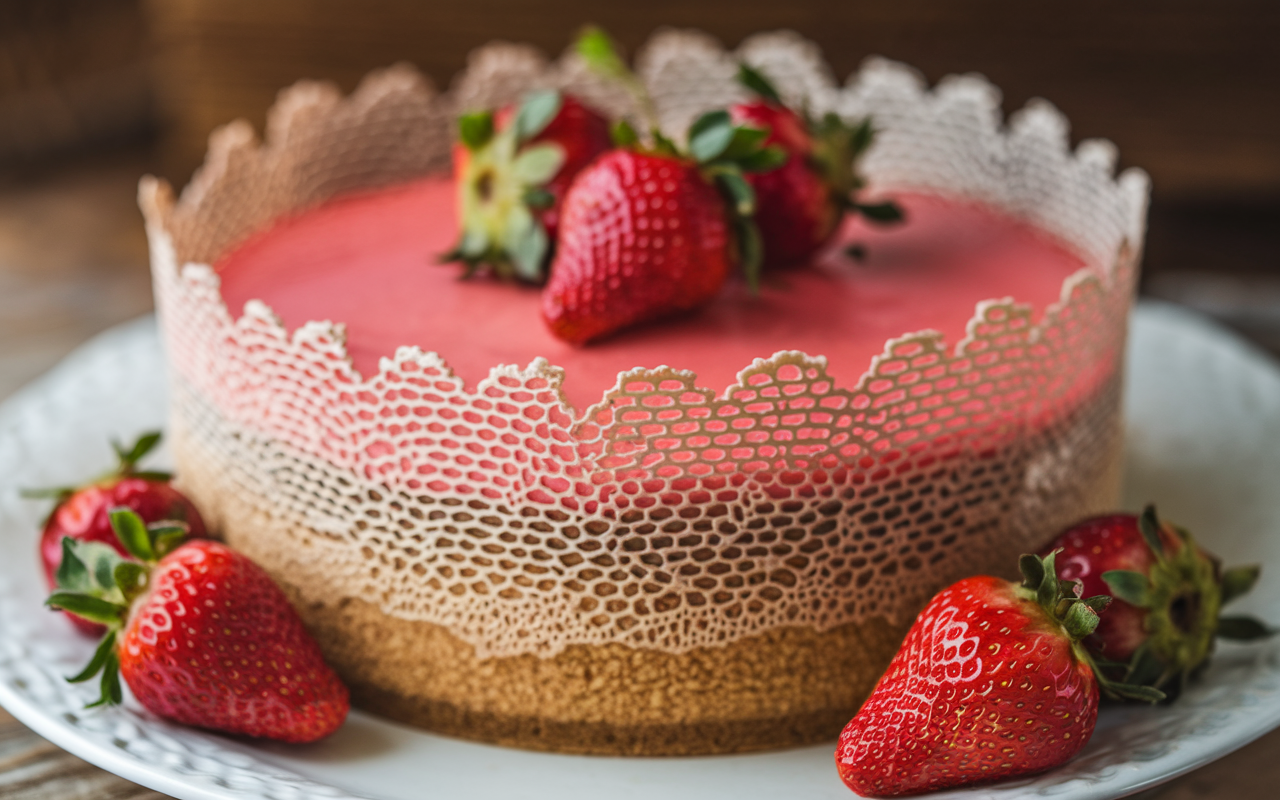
{"type": "Point", "coordinates": [705, 532]}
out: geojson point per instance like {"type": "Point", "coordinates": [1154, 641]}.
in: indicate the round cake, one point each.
{"type": "Point", "coordinates": [706, 534]}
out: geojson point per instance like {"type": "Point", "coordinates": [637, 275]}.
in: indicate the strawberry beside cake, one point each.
{"type": "Point", "coordinates": [706, 533]}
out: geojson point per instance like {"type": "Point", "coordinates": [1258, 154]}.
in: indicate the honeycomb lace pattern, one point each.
{"type": "Point", "coordinates": [670, 515]}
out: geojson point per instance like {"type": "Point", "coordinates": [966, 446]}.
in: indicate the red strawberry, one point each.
{"type": "Point", "coordinates": [800, 204]}
{"type": "Point", "coordinates": [202, 636]}
{"type": "Point", "coordinates": [82, 514]}
{"type": "Point", "coordinates": [989, 684]}
{"type": "Point", "coordinates": [650, 232]}
{"type": "Point", "coordinates": [644, 236]}
{"type": "Point", "coordinates": [1169, 594]}
{"type": "Point", "coordinates": [513, 170]}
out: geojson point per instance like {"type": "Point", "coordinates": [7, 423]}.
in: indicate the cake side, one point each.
{"type": "Point", "coordinates": [634, 536]}
{"type": "Point", "coordinates": [787, 686]}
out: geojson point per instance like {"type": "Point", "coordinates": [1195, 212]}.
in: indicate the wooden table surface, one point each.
{"type": "Point", "coordinates": [73, 262]}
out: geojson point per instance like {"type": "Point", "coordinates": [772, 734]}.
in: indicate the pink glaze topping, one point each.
{"type": "Point", "coordinates": [369, 261]}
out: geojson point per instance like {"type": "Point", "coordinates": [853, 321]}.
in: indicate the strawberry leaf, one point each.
{"type": "Point", "coordinates": [663, 145]}
{"type": "Point", "coordinates": [1132, 587]}
{"type": "Point", "coordinates": [757, 83]}
{"type": "Point", "coordinates": [1144, 667]}
{"type": "Point", "coordinates": [1243, 629]}
{"type": "Point", "coordinates": [86, 567]}
{"type": "Point", "coordinates": [538, 163]}
{"type": "Point", "coordinates": [94, 609]}
{"type": "Point", "coordinates": [624, 134]}
{"type": "Point", "coordinates": [860, 138]}
{"type": "Point", "coordinates": [536, 112]}
{"type": "Point", "coordinates": [1098, 603]}
{"type": "Point", "coordinates": [153, 475]}
{"type": "Point", "coordinates": [710, 136]}
{"type": "Point", "coordinates": [102, 560]}
{"type": "Point", "coordinates": [58, 493]}
{"type": "Point", "coordinates": [737, 190]}
{"type": "Point", "coordinates": [1047, 593]}
{"type": "Point", "coordinates": [144, 444]}
{"type": "Point", "coordinates": [1032, 569]}
{"type": "Point", "coordinates": [746, 142]}
{"type": "Point", "coordinates": [885, 213]}
{"type": "Point", "coordinates": [476, 129]}
{"type": "Point", "coordinates": [1238, 581]}
{"type": "Point", "coordinates": [99, 660]}
{"type": "Point", "coordinates": [766, 159]}
{"type": "Point", "coordinates": [474, 244]}
{"type": "Point", "coordinates": [598, 51]}
{"type": "Point", "coordinates": [538, 198]}
{"type": "Point", "coordinates": [110, 685]}
{"type": "Point", "coordinates": [529, 251]}
{"type": "Point", "coordinates": [1130, 691]}
{"type": "Point", "coordinates": [601, 56]}
{"type": "Point", "coordinates": [1149, 527]}
{"type": "Point", "coordinates": [132, 532]}
{"type": "Point", "coordinates": [72, 575]}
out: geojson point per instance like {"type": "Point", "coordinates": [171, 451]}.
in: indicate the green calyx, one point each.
{"type": "Point", "coordinates": [127, 459]}
{"type": "Point", "coordinates": [1183, 593]}
{"type": "Point", "coordinates": [1077, 616]}
{"type": "Point", "coordinates": [503, 186]}
{"type": "Point", "coordinates": [1059, 599]}
{"type": "Point", "coordinates": [96, 583]}
{"type": "Point", "coordinates": [838, 146]}
{"type": "Point", "coordinates": [724, 152]}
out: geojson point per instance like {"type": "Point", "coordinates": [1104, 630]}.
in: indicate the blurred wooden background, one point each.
{"type": "Point", "coordinates": [1188, 90]}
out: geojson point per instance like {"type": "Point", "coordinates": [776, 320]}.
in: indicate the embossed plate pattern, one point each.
{"type": "Point", "coordinates": [1203, 424]}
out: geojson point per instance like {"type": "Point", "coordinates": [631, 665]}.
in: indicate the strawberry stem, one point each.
{"type": "Point", "coordinates": [132, 533]}
{"type": "Point", "coordinates": [601, 55]}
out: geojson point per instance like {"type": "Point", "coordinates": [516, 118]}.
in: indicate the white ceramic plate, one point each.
{"type": "Point", "coordinates": [1203, 442]}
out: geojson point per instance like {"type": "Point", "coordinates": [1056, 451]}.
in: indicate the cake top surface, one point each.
{"type": "Point", "coordinates": [368, 261]}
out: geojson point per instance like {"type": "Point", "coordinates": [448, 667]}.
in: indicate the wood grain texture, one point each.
{"type": "Point", "coordinates": [33, 769]}
{"type": "Point", "coordinates": [73, 74]}
{"type": "Point", "coordinates": [1187, 90]}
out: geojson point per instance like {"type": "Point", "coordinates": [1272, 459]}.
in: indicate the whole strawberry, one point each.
{"type": "Point", "coordinates": [648, 232]}
{"type": "Point", "coordinates": [82, 513]}
{"type": "Point", "coordinates": [1169, 594]}
{"type": "Point", "coordinates": [990, 683]}
{"type": "Point", "coordinates": [513, 169]}
{"type": "Point", "coordinates": [801, 203]}
{"type": "Point", "coordinates": [201, 635]}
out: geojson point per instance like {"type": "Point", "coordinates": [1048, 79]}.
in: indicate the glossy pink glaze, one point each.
{"type": "Point", "coordinates": [369, 261]}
